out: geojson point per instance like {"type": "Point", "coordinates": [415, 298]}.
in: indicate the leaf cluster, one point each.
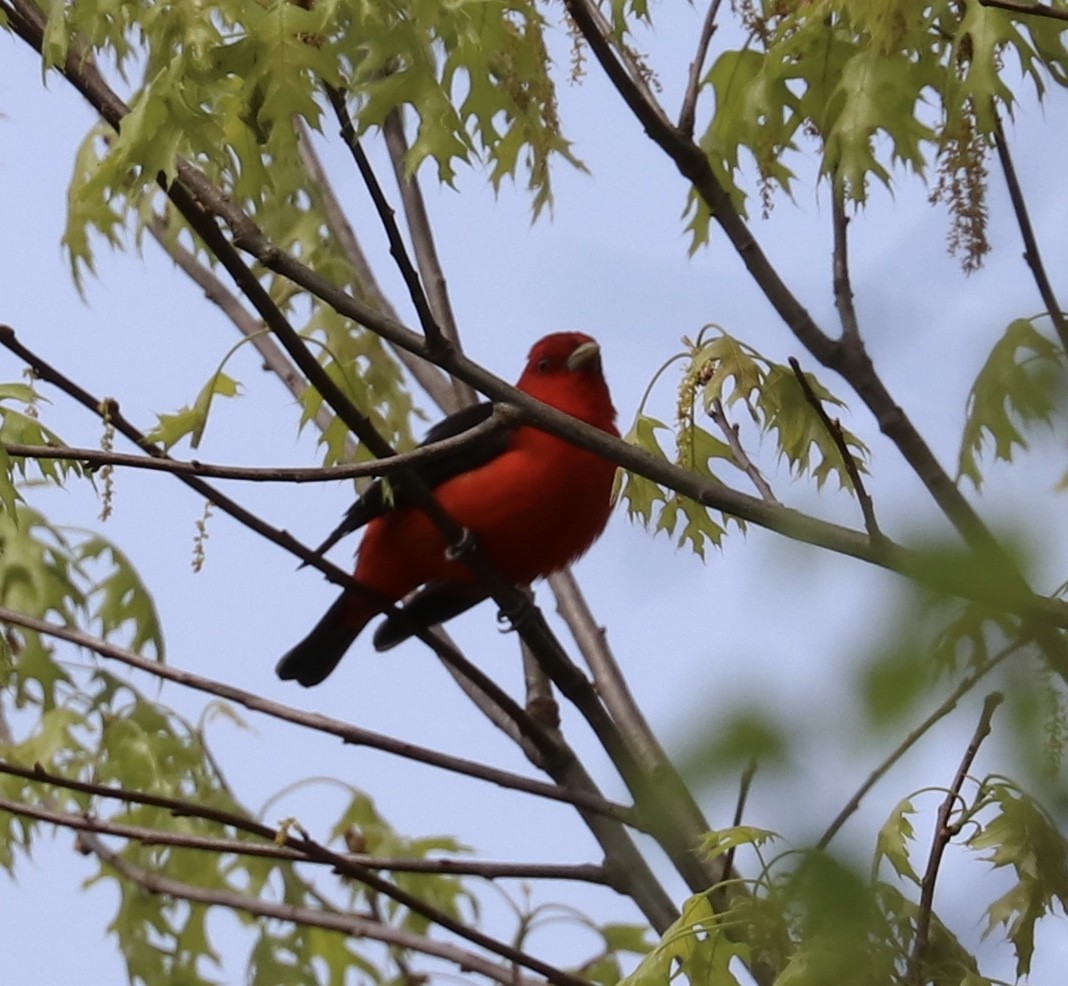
{"type": "Point", "coordinates": [720, 372]}
{"type": "Point", "coordinates": [872, 85]}
{"type": "Point", "coordinates": [813, 917]}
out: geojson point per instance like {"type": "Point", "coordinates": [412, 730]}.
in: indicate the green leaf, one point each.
{"type": "Point", "coordinates": [626, 938]}
{"type": "Point", "coordinates": [802, 437]}
{"type": "Point", "coordinates": [121, 598]}
{"type": "Point", "coordinates": [1022, 836]}
{"type": "Point", "coordinates": [694, 947]}
{"type": "Point", "coordinates": [893, 839]}
{"type": "Point", "coordinates": [26, 428]}
{"type": "Point", "coordinates": [1016, 386]}
{"type": "Point", "coordinates": [874, 92]}
{"type": "Point", "coordinates": [719, 842]}
{"type": "Point", "coordinates": [172, 428]}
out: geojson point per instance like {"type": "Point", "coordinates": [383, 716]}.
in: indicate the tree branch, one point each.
{"type": "Point", "coordinates": [1032, 254]}
{"type": "Point", "coordinates": [693, 84]}
{"type": "Point", "coordinates": [843, 288]}
{"type": "Point", "coordinates": [486, 869]}
{"type": "Point", "coordinates": [741, 458]}
{"type": "Point", "coordinates": [834, 429]}
{"type": "Point", "coordinates": [422, 237]}
{"type": "Point", "coordinates": [258, 474]}
{"type": "Point", "coordinates": [436, 343]}
{"type": "Point", "coordinates": [944, 833]}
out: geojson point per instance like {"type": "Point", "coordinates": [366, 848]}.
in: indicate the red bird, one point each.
{"type": "Point", "coordinates": [533, 502]}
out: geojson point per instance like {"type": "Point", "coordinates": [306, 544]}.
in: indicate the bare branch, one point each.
{"type": "Point", "coordinates": [436, 340]}
{"type": "Point", "coordinates": [1032, 255]}
{"type": "Point", "coordinates": [487, 869]}
{"type": "Point", "coordinates": [693, 84]}
{"type": "Point", "coordinates": [834, 429]}
{"type": "Point", "coordinates": [608, 676]}
{"type": "Point", "coordinates": [258, 474]}
{"type": "Point", "coordinates": [540, 702]}
{"type": "Point", "coordinates": [730, 432]}
{"type": "Point", "coordinates": [843, 288]}
{"type": "Point", "coordinates": [744, 784]}
{"type": "Point", "coordinates": [944, 833]}
{"type": "Point", "coordinates": [669, 791]}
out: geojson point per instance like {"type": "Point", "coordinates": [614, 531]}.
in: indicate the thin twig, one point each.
{"type": "Point", "coordinates": [1029, 9]}
{"type": "Point", "coordinates": [431, 272]}
{"type": "Point", "coordinates": [944, 833]}
{"type": "Point", "coordinates": [843, 288]}
{"type": "Point", "coordinates": [693, 84]}
{"type": "Point", "coordinates": [744, 784]}
{"type": "Point", "coordinates": [435, 338]}
{"type": "Point", "coordinates": [258, 474]}
{"type": "Point", "coordinates": [487, 869]}
{"type": "Point", "coordinates": [539, 701]}
{"type": "Point", "coordinates": [913, 738]}
{"type": "Point", "coordinates": [1032, 254]}
{"type": "Point", "coordinates": [834, 429]}
{"type": "Point", "coordinates": [730, 432]}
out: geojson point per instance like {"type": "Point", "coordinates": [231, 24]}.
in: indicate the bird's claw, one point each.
{"type": "Point", "coordinates": [516, 619]}
{"type": "Point", "coordinates": [460, 549]}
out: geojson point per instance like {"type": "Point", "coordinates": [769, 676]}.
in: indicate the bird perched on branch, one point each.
{"type": "Point", "coordinates": [532, 502]}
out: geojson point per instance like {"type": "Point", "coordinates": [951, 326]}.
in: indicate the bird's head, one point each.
{"type": "Point", "coordinates": [564, 370]}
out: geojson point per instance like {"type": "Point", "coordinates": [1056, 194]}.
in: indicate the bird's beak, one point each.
{"type": "Point", "coordinates": [585, 355]}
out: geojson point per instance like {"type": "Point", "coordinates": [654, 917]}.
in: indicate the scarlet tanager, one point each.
{"type": "Point", "coordinates": [533, 503]}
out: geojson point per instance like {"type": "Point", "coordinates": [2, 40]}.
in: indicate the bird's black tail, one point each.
{"type": "Point", "coordinates": [434, 603]}
{"type": "Point", "coordinates": [310, 661]}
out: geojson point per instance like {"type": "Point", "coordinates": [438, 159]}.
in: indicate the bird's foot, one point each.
{"type": "Point", "coordinates": [517, 616]}
{"type": "Point", "coordinates": [462, 548]}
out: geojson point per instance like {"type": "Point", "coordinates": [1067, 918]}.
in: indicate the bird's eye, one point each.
{"type": "Point", "coordinates": [544, 364]}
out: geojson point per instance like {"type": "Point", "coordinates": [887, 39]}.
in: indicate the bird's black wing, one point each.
{"type": "Point", "coordinates": [433, 472]}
